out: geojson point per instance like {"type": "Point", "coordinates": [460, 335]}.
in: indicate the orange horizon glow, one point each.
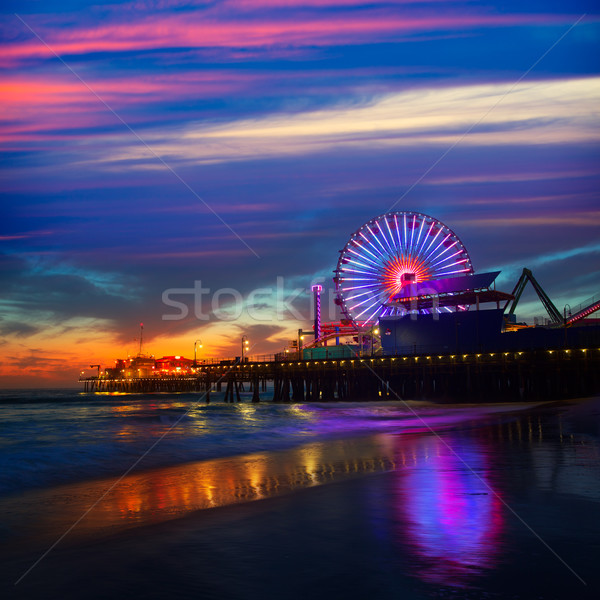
{"type": "Point", "coordinates": [50, 360]}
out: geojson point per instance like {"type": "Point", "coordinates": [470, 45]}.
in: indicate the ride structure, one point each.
{"type": "Point", "coordinates": [386, 254]}
{"type": "Point", "coordinates": [526, 277]}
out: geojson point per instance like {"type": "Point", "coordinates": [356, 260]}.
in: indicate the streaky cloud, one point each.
{"type": "Point", "coordinates": [528, 113]}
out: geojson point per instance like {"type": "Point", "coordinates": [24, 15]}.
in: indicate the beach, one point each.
{"type": "Point", "coordinates": [380, 500]}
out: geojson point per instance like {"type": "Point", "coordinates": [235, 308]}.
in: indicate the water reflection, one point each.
{"type": "Point", "coordinates": [433, 511]}
{"type": "Point", "coordinates": [166, 493]}
{"type": "Point", "coordinates": [449, 519]}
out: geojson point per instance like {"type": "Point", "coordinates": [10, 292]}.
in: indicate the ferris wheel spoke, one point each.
{"type": "Point", "coordinates": [366, 309]}
{"type": "Point", "coordinates": [412, 233]}
{"type": "Point", "coordinates": [368, 267]}
{"type": "Point", "coordinates": [353, 272]}
{"type": "Point", "coordinates": [368, 272]}
{"type": "Point", "coordinates": [358, 306]}
{"type": "Point", "coordinates": [347, 269]}
{"type": "Point", "coordinates": [358, 279]}
{"type": "Point", "coordinates": [424, 253]}
{"type": "Point", "coordinates": [458, 263]}
{"type": "Point", "coordinates": [356, 262]}
{"type": "Point", "coordinates": [432, 252]}
{"type": "Point", "coordinates": [379, 295]}
{"type": "Point", "coordinates": [362, 257]}
{"type": "Point", "coordinates": [380, 257]}
{"type": "Point", "coordinates": [385, 250]}
{"type": "Point", "coordinates": [398, 234]}
{"type": "Point", "coordinates": [393, 245]}
{"type": "Point", "coordinates": [368, 319]}
{"type": "Point", "coordinates": [360, 287]}
{"type": "Point", "coordinates": [447, 248]}
{"type": "Point", "coordinates": [447, 258]}
{"type": "Point", "coordinates": [358, 295]}
{"type": "Point", "coordinates": [390, 246]}
{"type": "Point", "coordinates": [376, 264]}
{"type": "Point", "coordinates": [362, 303]}
{"type": "Point", "coordinates": [419, 237]}
{"type": "Point", "coordinates": [459, 271]}
{"type": "Point", "coordinates": [420, 248]}
{"type": "Point", "coordinates": [455, 263]}
{"type": "Point", "coordinates": [451, 265]}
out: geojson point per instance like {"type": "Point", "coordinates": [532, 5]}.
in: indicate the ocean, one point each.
{"type": "Point", "coordinates": [167, 496]}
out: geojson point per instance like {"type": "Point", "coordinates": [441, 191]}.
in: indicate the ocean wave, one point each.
{"type": "Point", "coordinates": [60, 439]}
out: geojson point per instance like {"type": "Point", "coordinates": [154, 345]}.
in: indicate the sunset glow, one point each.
{"type": "Point", "coordinates": [148, 146]}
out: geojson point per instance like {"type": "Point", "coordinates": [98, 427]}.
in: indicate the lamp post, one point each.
{"type": "Point", "coordinates": [245, 343]}
{"type": "Point", "coordinates": [195, 346]}
{"type": "Point", "coordinates": [374, 332]}
{"type": "Point", "coordinates": [300, 340]}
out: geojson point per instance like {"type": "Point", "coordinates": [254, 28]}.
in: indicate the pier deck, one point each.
{"type": "Point", "coordinates": [503, 376]}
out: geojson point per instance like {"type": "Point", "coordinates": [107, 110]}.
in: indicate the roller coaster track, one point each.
{"type": "Point", "coordinates": [586, 308]}
{"type": "Point", "coordinates": [329, 336]}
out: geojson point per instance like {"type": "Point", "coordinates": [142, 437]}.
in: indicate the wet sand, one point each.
{"type": "Point", "coordinates": [384, 516]}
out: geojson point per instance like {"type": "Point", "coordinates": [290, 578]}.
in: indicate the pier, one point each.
{"type": "Point", "coordinates": [427, 337]}
{"type": "Point", "coordinates": [485, 377]}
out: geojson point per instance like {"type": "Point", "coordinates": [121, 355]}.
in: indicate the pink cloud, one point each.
{"type": "Point", "coordinates": [191, 31]}
{"type": "Point", "coordinates": [32, 105]}
{"type": "Point", "coordinates": [260, 4]}
{"type": "Point", "coordinates": [19, 91]}
{"type": "Point", "coordinates": [37, 107]}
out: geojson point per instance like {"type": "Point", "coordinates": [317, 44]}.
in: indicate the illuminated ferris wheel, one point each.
{"type": "Point", "coordinates": [389, 252]}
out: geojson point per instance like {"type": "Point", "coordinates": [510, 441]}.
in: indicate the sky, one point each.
{"type": "Point", "coordinates": [197, 165]}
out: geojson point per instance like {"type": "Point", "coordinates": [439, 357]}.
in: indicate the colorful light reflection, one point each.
{"type": "Point", "coordinates": [449, 515]}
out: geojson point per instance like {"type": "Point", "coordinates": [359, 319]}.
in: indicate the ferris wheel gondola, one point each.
{"type": "Point", "coordinates": [388, 253]}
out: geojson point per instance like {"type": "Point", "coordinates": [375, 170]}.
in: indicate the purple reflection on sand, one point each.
{"type": "Point", "coordinates": [392, 417]}
{"type": "Point", "coordinates": [449, 517]}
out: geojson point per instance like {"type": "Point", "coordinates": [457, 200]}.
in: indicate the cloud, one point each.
{"type": "Point", "coordinates": [579, 219]}
{"type": "Point", "coordinates": [528, 113]}
{"type": "Point", "coordinates": [20, 329]}
{"type": "Point", "coordinates": [200, 29]}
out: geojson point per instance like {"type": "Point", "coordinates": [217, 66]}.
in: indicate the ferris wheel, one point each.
{"type": "Point", "coordinates": [389, 252]}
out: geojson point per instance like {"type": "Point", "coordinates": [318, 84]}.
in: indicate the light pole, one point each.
{"type": "Point", "coordinates": [195, 345]}
{"type": "Point", "coordinates": [300, 340]}
{"type": "Point", "coordinates": [374, 332]}
{"type": "Point", "coordinates": [245, 343]}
